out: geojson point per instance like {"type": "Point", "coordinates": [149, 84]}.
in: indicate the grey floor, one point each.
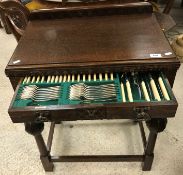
{"type": "Point", "coordinates": [19, 154]}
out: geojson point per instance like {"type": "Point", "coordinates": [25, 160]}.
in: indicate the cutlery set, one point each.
{"type": "Point", "coordinates": [40, 94]}
{"type": "Point", "coordinates": [145, 86]}
{"type": "Point", "coordinates": [96, 87]}
{"type": "Point", "coordinates": [103, 92]}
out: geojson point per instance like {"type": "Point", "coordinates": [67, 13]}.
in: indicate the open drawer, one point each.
{"type": "Point", "coordinates": [139, 95]}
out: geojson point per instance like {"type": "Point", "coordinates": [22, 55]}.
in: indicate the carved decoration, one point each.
{"type": "Point", "coordinates": [92, 113]}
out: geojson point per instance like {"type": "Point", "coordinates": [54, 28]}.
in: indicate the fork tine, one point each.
{"type": "Point", "coordinates": [35, 93]}
{"type": "Point", "coordinates": [92, 92]}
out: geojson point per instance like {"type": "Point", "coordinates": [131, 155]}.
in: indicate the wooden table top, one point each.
{"type": "Point", "coordinates": [92, 41]}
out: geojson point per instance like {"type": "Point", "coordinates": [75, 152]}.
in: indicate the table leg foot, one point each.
{"type": "Point", "coordinates": [147, 164]}
{"type": "Point", "coordinates": [48, 166]}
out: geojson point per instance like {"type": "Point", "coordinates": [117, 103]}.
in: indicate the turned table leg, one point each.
{"type": "Point", "coordinates": [35, 129]}
{"type": "Point", "coordinates": [155, 126]}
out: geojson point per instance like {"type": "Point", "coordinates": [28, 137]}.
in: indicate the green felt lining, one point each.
{"type": "Point", "coordinates": [65, 86]}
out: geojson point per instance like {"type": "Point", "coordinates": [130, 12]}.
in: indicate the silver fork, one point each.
{"type": "Point", "coordinates": [40, 94]}
{"type": "Point", "coordinates": [87, 88]}
{"type": "Point", "coordinates": [28, 93]}
{"type": "Point", "coordinates": [44, 98]}
{"type": "Point", "coordinates": [81, 90]}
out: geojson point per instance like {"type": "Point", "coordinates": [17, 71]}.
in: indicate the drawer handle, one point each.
{"type": "Point", "coordinates": [42, 117]}
{"type": "Point", "coordinates": [142, 114]}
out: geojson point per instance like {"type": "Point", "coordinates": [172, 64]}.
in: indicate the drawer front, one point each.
{"type": "Point", "coordinates": [140, 96]}
{"type": "Point", "coordinates": [142, 111]}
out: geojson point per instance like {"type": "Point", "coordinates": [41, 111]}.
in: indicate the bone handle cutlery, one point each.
{"type": "Point", "coordinates": [130, 97]}
{"type": "Point", "coordinates": [68, 78]}
{"type": "Point", "coordinates": [123, 93]}
{"type": "Point", "coordinates": [40, 94]}
{"type": "Point", "coordinates": [60, 79]}
{"type": "Point", "coordinates": [48, 79]}
{"type": "Point", "coordinates": [154, 88]}
{"type": "Point", "coordinates": [73, 78]}
{"type": "Point", "coordinates": [82, 91]}
{"type": "Point", "coordinates": [106, 76]}
{"type": "Point", "coordinates": [28, 79]}
{"type": "Point", "coordinates": [42, 79]}
{"type": "Point", "coordinates": [78, 78]}
{"type": "Point", "coordinates": [128, 87]}
{"type": "Point", "coordinates": [96, 87]}
{"type": "Point", "coordinates": [164, 91]}
{"type": "Point", "coordinates": [84, 77]}
{"type": "Point", "coordinates": [89, 77]}
{"type": "Point", "coordinates": [146, 95]}
{"type": "Point", "coordinates": [56, 79]}
{"type": "Point", "coordinates": [38, 79]}
{"type": "Point", "coordinates": [112, 76]}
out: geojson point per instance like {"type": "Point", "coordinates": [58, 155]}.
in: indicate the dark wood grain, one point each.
{"type": "Point", "coordinates": [85, 43]}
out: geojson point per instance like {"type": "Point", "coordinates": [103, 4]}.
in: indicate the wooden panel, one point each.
{"type": "Point", "coordinates": [84, 42]}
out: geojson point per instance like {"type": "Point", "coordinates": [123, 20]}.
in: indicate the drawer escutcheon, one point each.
{"type": "Point", "coordinates": [142, 113]}
{"type": "Point", "coordinates": [42, 117]}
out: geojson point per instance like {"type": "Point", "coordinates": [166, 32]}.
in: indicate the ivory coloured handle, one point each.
{"type": "Point", "coordinates": [89, 77]}
{"type": "Point", "coordinates": [100, 76]}
{"type": "Point", "coordinates": [155, 90]}
{"type": "Point", "coordinates": [73, 77]}
{"type": "Point", "coordinates": [130, 97]}
{"type": "Point", "coordinates": [48, 79]}
{"type": "Point", "coordinates": [145, 91]}
{"type": "Point", "coordinates": [78, 77]}
{"type": "Point", "coordinates": [52, 79]}
{"type": "Point", "coordinates": [37, 80]}
{"type": "Point", "coordinates": [42, 79]}
{"type": "Point", "coordinates": [94, 77]}
{"type": "Point", "coordinates": [60, 79]}
{"type": "Point", "coordinates": [56, 78]}
{"type": "Point", "coordinates": [123, 93]}
{"type": "Point", "coordinates": [84, 77]}
{"type": "Point", "coordinates": [163, 88]}
{"type": "Point", "coordinates": [106, 76]}
{"type": "Point", "coordinates": [112, 76]}
{"type": "Point", "coordinates": [25, 80]}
